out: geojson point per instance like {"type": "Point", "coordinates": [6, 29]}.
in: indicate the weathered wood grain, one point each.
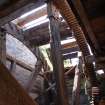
{"type": "Point", "coordinates": [11, 93]}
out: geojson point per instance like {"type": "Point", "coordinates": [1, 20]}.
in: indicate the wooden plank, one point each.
{"type": "Point", "coordinates": [69, 16]}
{"type": "Point", "coordinates": [12, 66]}
{"type": "Point", "coordinates": [56, 55]}
{"type": "Point", "coordinates": [69, 45]}
{"type": "Point", "coordinates": [70, 56]}
{"type": "Point", "coordinates": [34, 16]}
{"type": "Point", "coordinates": [76, 88]}
{"type": "Point", "coordinates": [2, 46]}
{"type": "Point", "coordinates": [20, 63]}
{"type": "Point", "coordinates": [11, 93]}
{"type": "Point", "coordinates": [17, 10]}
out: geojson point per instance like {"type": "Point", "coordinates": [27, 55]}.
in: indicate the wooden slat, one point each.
{"type": "Point", "coordinates": [34, 16]}
{"type": "Point", "coordinates": [20, 63]}
{"type": "Point", "coordinates": [69, 45]}
{"type": "Point", "coordinates": [13, 30]}
{"type": "Point", "coordinates": [70, 56]}
{"type": "Point", "coordinates": [11, 93]}
{"type": "Point", "coordinates": [70, 50]}
{"type": "Point", "coordinates": [42, 30]}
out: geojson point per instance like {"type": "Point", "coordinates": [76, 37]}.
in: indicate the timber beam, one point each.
{"type": "Point", "coordinates": [35, 15]}
{"type": "Point", "coordinates": [56, 55]}
{"type": "Point", "coordinates": [76, 88]}
{"type": "Point", "coordinates": [2, 46]}
{"type": "Point", "coordinates": [41, 32]}
{"type": "Point", "coordinates": [17, 9]}
{"type": "Point", "coordinates": [69, 45]}
{"type": "Point", "coordinates": [11, 93]}
{"type": "Point", "coordinates": [70, 50]}
{"type": "Point", "coordinates": [37, 36]}
{"type": "Point", "coordinates": [70, 56]}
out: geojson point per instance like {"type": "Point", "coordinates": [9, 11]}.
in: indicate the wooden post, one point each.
{"type": "Point", "coordinates": [13, 66]}
{"type": "Point", "coordinates": [2, 46]}
{"type": "Point", "coordinates": [76, 88]}
{"type": "Point", "coordinates": [33, 77]}
{"type": "Point", "coordinates": [56, 55]}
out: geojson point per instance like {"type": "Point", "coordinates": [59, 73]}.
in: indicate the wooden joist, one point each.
{"type": "Point", "coordinates": [40, 33]}
{"type": "Point", "coordinates": [11, 93]}
{"type": "Point", "coordinates": [17, 9]}
{"type": "Point", "coordinates": [84, 19]}
{"type": "Point", "coordinates": [70, 55]}
{"type": "Point", "coordinates": [33, 16]}
{"type": "Point", "coordinates": [70, 50]}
